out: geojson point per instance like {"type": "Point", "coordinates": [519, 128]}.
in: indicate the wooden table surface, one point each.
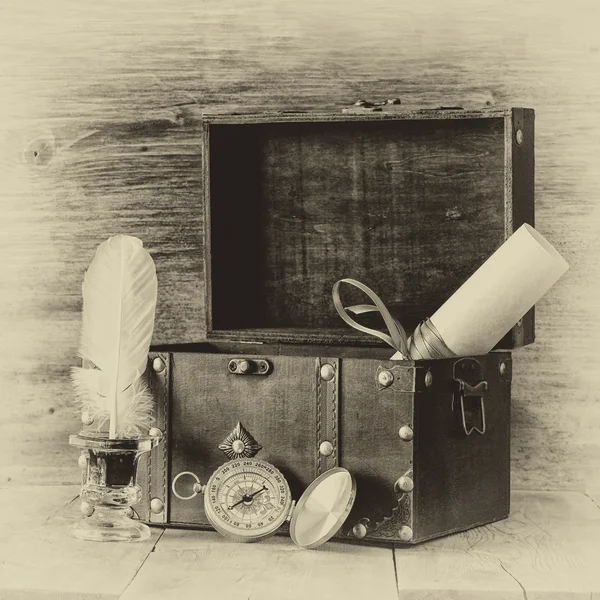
{"type": "Point", "coordinates": [549, 548]}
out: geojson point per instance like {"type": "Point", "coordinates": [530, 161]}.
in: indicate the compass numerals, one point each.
{"type": "Point", "coordinates": [247, 499]}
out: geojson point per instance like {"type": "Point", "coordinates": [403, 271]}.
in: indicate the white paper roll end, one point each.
{"type": "Point", "coordinates": [485, 308]}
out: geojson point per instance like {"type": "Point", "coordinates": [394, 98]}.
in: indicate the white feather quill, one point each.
{"type": "Point", "coordinates": [119, 303]}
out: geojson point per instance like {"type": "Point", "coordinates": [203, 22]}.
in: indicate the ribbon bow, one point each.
{"type": "Point", "coordinates": [425, 342]}
{"type": "Point", "coordinates": [396, 336]}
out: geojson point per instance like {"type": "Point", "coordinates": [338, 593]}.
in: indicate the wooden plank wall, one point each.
{"type": "Point", "coordinates": [99, 107]}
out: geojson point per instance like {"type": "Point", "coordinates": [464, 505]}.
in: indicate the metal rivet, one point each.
{"type": "Point", "coordinates": [520, 323]}
{"type": "Point", "coordinates": [87, 418]}
{"type": "Point", "coordinates": [405, 533]}
{"type": "Point", "coordinates": [87, 510]}
{"type": "Point", "coordinates": [129, 512]}
{"type": "Point", "coordinates": [404, 484]}
{"type": "Point", "coordinates": [244, 366]}
{"type": "Point", "coordinates": [327, 372]}
{"type": "Point", "coordinates": [406, 433]}
{"type": "Point", "coordinates": [156, 505]}
{"type": "Point", "coordinates": [359, 531]}
{"type": "Point", "coordinates": [238, 446]}
{"type": "Point", "coordinates": [232, 366]}
{"type": "Point", "coordinates": [519, 136]}
{"type": "Point", "coordinates": [158, 365]}
{"type": "Point", "coordinates": [428, 379]}
{"type": "Point", "coordinates": [155, 432]}
{"type": "Point", "coordinates": [502, 369]}
{"type": "Point", "coordinates": [82, 461]}
{"type": "Point", "coordinates": [385, 378]}
{"type": "Point", "coordinates": [326, 448]}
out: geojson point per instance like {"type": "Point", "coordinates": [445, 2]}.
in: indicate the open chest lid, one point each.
{"type": "Point", "coordinates": [409, 202]}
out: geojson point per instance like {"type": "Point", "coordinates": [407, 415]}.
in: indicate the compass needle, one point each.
{"type": "Point", "coordinates": [250, 499]}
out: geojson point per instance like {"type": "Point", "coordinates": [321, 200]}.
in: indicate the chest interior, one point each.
{"type": "Point", "coordinates": [409, 207]}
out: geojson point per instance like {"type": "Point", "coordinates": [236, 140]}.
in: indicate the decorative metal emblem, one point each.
{"type": "Point", "coordinates": [240, 444]}
{"type": "Point", "coordinates": [389, 526]}
{"type": "Point", "coordinates": [397, 524]}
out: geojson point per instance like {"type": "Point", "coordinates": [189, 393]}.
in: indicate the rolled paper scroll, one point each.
{"type": "Point", "coordinates": [482, 311]}
{"type": "Point", "coordinates": [426, 342]}
{"type": "Point", "coordinates": [485, 308]}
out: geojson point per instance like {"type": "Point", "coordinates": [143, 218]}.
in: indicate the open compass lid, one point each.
{"type": "Point", "coordinates": [323, 508]}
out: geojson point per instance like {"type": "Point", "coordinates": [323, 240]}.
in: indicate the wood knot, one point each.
{"type": "Point", "coordinates": [40, 151]}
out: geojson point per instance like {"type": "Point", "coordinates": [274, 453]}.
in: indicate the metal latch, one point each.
{"type": "Point", "coordinates": [248, 366]}
{"type": "Point", "coordinates": [468, 396]}
{"type": "Point", "coordinates": [363, 106]}
{"type": "Point", "coordinates": [388, 106]}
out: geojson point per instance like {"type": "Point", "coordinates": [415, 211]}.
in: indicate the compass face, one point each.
{"type": "Point", "coordinates": [247, 499]}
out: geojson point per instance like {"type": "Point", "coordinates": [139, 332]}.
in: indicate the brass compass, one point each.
{"type": "Point", "coordinates": [247, 499]}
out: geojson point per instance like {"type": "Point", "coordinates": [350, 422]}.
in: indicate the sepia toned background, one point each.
{"type": "Point", "coordinates": [99, 134]}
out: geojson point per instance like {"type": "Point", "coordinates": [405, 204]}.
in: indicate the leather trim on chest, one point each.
{"type": "Point", "coordinates": [327, 374]}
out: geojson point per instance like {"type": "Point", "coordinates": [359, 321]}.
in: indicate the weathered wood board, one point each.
{"type": "Point", "coordinates": [39, 559]}
{"type": "Point", "coordinates": [548, 549]}
{"type": "Point", "coordinates": [187, 562]}
{"type": "Point", "coordinates": [99, 134]}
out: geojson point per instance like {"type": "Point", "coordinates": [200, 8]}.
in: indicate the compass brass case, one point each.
{"type": "Point", "coordinates": [247, 500]}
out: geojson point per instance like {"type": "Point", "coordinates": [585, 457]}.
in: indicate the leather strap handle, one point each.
{"type": "Point", "coordinates": [396, 336]}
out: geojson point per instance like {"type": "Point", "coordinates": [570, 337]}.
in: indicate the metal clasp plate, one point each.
{"type": "Point", "coordinates": [468, 396]}
{"type": "Point", "coordinates": [249, 366]}
{"type": "Point", "coordinates": [363, 106]}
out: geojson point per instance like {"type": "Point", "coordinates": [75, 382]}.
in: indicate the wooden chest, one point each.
{"type": "Point", "coordinates": [408, 202]}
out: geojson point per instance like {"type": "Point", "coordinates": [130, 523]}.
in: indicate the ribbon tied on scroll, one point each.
{"type": "Point", "coordinates": [481, 312]}
{"type": "Point", "coordinates": [425, 342]}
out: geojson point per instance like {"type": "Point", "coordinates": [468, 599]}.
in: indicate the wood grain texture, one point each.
{"type": "Point", "coordinates": [187, 563]}
{"type": "Point", "coordinates": [267, 406]}
{"type": "Point", "coordinates": [303, 204]}
{"type": "Point", "coordinates": [39, 559]}
{"type": "Point", "coordinates": [461, 480]}
{"type": "Point", "coordinates": [99, 134]}
{"type": "Point", "coordinates": [547, 549]}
